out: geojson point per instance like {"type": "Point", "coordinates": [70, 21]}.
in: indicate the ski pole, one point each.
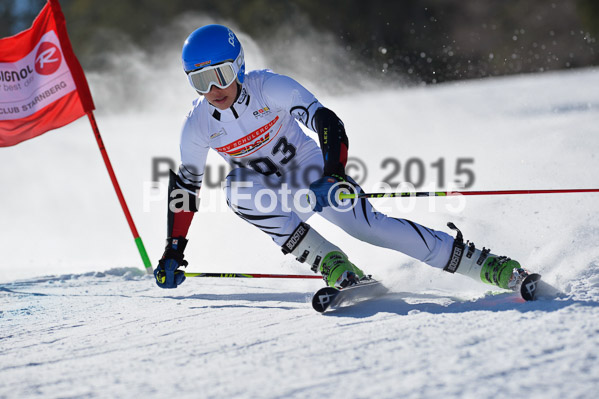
{"type": "Point", "coordinates": [252, 275]}
{"type": "Point", "coordinates": [454, 193]}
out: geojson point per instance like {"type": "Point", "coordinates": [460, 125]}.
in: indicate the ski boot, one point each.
{"type": "Point", "coordinates": [309, 246]}
{"type": "Point", "coordinates": [338, 271]}
{"type": "Point", "coordinates": [482, 265]}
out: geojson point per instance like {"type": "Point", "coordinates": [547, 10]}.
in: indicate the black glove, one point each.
{"type": "Point", "coordinates": [167, 273]}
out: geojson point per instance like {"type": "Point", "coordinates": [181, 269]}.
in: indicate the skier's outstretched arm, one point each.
{"type": "Point", "coordinates": [284, 92]}
{"type": "Point", "coordinates": [182, 204]}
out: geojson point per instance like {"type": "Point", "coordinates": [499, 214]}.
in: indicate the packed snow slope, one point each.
{"type": "Point", "coordinates": [80, 319]}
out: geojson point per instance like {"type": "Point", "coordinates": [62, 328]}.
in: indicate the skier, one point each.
{"type": "Point", "coordinates": [252, 121]}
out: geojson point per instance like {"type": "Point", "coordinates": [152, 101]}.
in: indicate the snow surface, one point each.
{"type": "Point", "coordinates": [79, 319]}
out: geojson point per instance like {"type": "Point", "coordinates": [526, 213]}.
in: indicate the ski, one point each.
{"type": "Point", "coordinates": [528, 286]}
{"type": "Point", "coordinates": [532, 288]}
{"type": "Point", "coordinates": [331, 298]}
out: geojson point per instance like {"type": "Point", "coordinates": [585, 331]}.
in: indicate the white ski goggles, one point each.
{"type": "Point", "coordinates": [221, 76]}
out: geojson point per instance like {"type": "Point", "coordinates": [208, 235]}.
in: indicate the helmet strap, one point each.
{"type": "Point", "coordinates": [238, 90]}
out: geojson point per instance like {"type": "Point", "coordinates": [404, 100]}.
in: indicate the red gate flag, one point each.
{"type": "Point", "coordinates": [42, 84]}
{"type": "Point", "coordinates": [42, 87]}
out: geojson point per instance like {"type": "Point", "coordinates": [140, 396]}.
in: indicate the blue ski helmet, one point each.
{"type": "Point", "coordinates": [212, 45]}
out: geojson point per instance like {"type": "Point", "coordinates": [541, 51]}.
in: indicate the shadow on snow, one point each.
{"type": "Point", "coordinates": [399, 303]}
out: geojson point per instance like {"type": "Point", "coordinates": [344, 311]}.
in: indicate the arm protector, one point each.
{"type": "Point", "coordinates": [333, 141]}
{"type": "Point", "coordinates": [182, 205]}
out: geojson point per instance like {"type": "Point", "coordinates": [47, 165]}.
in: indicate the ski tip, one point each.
{"type": "Point", "coordinates": [529, 287]}
{"type": "Point", "coordinates": [329, 297]}
{"type": "Point", "coordinates": [323, 298]}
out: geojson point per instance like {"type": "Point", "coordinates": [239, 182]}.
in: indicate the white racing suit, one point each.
{"type": "Point", "coordinates": [274, 161]}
